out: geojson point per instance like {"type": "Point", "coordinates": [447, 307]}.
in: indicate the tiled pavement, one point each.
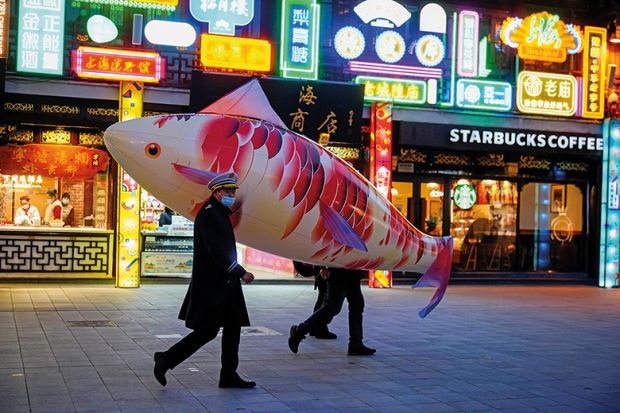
{"type": "Point", "coordinates": [485, 348]}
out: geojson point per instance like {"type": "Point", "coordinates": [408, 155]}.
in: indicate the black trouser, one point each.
{"type": "Point", "coordinates": [321, 285]}
{"type": "Point", "coordinates": [339, 288]}
{"type": "Point", "coordinates": [198, 338]}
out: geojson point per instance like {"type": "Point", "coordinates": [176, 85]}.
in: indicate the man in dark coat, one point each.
{"type": "Point", "coordinates": [309, 270]}
{"type": "Point", "coordinates": [341, 283]}
{"type": "Point", "coordinates": [214, 298]}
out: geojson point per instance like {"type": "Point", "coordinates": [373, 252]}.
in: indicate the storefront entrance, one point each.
{"type": "Point", "coordinates": [501, 225]}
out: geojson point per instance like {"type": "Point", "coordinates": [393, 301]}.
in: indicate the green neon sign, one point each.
{"type": "Point", "coordinates": [403, 91]}
{"type": "Point", "coordinates": [40, 36]}
{"type": "Point", "coordinates": [299, 42]}
{"type": "Point", "coordinates": [483, 94]}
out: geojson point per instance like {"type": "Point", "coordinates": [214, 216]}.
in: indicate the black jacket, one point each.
{"type": "Point", "coordinates": [214, 297]}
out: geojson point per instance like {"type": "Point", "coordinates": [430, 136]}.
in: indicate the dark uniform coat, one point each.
{"type": "Point", "coordinates": [214, 297]}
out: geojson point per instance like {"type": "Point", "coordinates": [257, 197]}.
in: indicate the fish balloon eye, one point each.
{"type": "Point", "coordinates": [152, 150]}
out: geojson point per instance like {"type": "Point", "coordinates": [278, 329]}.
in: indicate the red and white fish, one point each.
{"type": "Point", "coordinates": [296, 199]}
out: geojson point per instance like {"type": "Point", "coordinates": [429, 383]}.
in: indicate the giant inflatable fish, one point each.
{"type": "Point", "coordinates": [296, 199]}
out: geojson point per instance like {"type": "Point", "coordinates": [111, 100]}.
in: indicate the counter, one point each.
{"type": "Point", "coordinates": [67, 252]}
{"type": "Point", "coordinates": [166, 255]}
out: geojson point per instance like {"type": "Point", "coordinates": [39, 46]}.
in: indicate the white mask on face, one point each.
{"type": "Point", "coordinates": [49, 201]}
{"type": "Point", "coordinates": [65, 201]}
{"type": "Point", "coordinates": [25, 206]}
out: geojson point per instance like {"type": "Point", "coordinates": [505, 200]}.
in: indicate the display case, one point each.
{"type": "Point", "coordinates": [165, 255]}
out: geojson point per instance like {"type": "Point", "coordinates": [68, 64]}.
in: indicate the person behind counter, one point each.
{"type": "Point", "coordinates": [54, 209]}
{"type": "Point", "coordinates": [165, 218]}
{"type": "Point", "coordinates": [27, 215]}
{"type": "Point", "coordinates": [67, 210]}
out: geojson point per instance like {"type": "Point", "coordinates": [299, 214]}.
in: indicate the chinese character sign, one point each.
{"type": "Point", "coordinates": [483, 94]}
{"type": "Point", "coordinates": [116, 64]}
{"type": "Point", "coordinates": [61, 161]}
{"type": "Point", "coordinates": [239, 53]}
{"type": "Point", "coordinates": [467, 62]}
{"type": "Point", "coordinates": [40, 36]}
{"type": "Point", "coordinates": [299, 42]}
{"type": "Point", "coordinates": [403, 91]}
{"type": "Point", "coordinates": [593, 72]}
{"type": "Point", "coordinates": [222, 15]}
{"type": "Point", "coordinates": [4, 28]}
{"type": "Point", "coordinates": [547, 93]}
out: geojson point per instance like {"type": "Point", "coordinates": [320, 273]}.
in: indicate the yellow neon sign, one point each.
{"type": "Point", "coordinates": [226, 52]}
{"type": "Point", "coordinates": [541, 36]}
{"type": "Point", "coordinates": [594, 56]}
{"type": "Point", "coordinates": [547, 93]}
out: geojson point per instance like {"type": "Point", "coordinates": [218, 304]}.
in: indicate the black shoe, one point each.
{"type": "Point", "coordinates": [234, 381]}
{"type": "Point", "coordinates": [326, 335]}
{"type": "Point", "coordinates": [295, 338]}
{"type": "Point", "coordinates": [160, 368]}
{"type": "Point", "coordinates": [360, 350]}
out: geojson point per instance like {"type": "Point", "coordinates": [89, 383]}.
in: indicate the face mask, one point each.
{"type": "Point", "coordinates": [65, 201]}
{"type": "Point", "coordinates": [49, 201]}
{"type": "Point", "coordinates": [25, 206]}
{"type": "Point", "coordinates": [228, 200]}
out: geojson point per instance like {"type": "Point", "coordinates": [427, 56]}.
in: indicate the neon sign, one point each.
{"type": "Point", "coordinates": [235, 53]}
{"type": "Point", "coordinates": [467, 63]}
{"type": "Point", "coordinates": [429, 50]}
{"type": "Point", "coordinates": [403, 91]}
{"type": "Point", "coordinates": [541, 36]}
{"type": "Point", "coordinates": [382, 13]}
{"type": "Point", "coordinates": [349, 42]}
{"type": "Point", "coordinates": [165, 5]}
{"type": "Point", "coordinates": [168, 33]}
{"type": "Point", "coordinates": [390, 46]}
{"type": "Point", "coordinates": [40, 36]}
{"type": "Point", "coordinates": [4, 28]}
{"type": "Point", "coordinates": [433, 18]}
{"type": "Point", "coordinates": [546, 93]}
{"type": "Point", "coordinates": [609, 260]}
{"type": "Point", "coordinates": [483, 94]}
{"type": "Point", "coordinates": [594, 57]}
{"type": "Point", "coordinates": [115, 64]}
{"type": "Point", "coordinates": [223, 16]}
{"type": "Point", "coordinates": [299, 50]}
{"type": "Point", "coordinates": [100, 29]}
{"type": "Point", "coordinates": [396, 70]}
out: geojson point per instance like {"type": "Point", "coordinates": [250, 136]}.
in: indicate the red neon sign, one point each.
{"type": "Point", "coordinates": [115, 64]}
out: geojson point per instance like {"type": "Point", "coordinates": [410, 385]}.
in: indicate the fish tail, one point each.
{"type": "Point", "coordinates": [438, 274]}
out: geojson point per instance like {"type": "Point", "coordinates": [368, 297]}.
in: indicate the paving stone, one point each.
{"type": "Point", "coordinates": [485, 348]}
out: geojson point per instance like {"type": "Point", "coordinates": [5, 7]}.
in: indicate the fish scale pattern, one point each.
{"type": "Point", "coordinates": [296, 168]}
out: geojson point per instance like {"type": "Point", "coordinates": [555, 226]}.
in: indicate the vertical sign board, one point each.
{"type": "Point", "coordinates": [299, 43]}
{"type": "Point", "coordinates": [594, 55]}
{"type": "Point", "coordinates": [128, 206]}
{"type": "Point", "coordinates": [609, 260]}
{"type": "Point", "coordinates": [40, 36]}
{"type": "Point", "coordinates": [381, 169]}
{"type": "Point", "coordinates": [467, 62]}
{"type": "Point", "coordinates": [5, 7]}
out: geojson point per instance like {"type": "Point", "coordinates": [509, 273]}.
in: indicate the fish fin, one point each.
{"type": "Point", "coordinates": [340, 229]}
{"type": "Point", "coordinates": [294, 220]}
{"type": "Point", "coordinates": [438, 276]}
{"type": "Point", "coordinates": [197, 176]}
{"type": "Point", "coordinates": [248, 100]}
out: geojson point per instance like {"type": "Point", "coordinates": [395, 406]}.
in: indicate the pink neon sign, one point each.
{"type": "Point", "coordinates": [467, 59]}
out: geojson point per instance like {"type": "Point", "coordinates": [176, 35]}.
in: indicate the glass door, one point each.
{"type": "Point", "coordinates": [421, 202]}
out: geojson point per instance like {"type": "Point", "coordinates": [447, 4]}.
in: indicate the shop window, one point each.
{"type": "Point", "coordinates": [432, 207]}
{"type": "Point", "coordinates": [483, 224]}
{"type": "Point", "coordinates": [551, 228]}
{"type": "Point", "coordinates": [89, 197]}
